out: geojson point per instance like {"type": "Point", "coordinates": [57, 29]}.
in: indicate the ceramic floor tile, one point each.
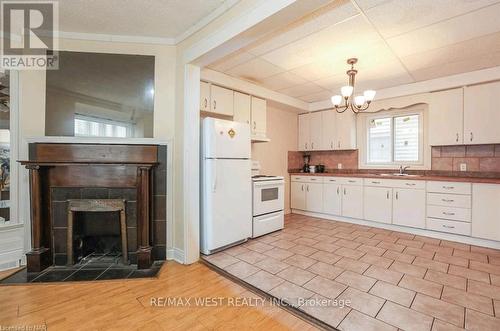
{"type": "Point", "coordinates": [409, 269]}
{"type": "Point", "coordinates": [296, 275]}
{"type": "Point", "coordinates": [410, 243]}
{"type": "Point", "coordinates": [278, 253]}
{"type": "Point", "coordinates": [376, 260]}
{"type": "Point", "coordinates": [264, 280]}
{"type": "Point", "coordinates": [300, 261]}
{"type": "Point", "coordinates": [271, 265]}
{"type": "Point", "coordinates": [350, 253]}
{"type": "Point", "coordinates": [431, 264]}
{"type": "Point", "coordinates": [476, 321]}
{"type": "Point", "coordinates": [393, 293]}
{"type": "Point", "coordinates": [355, 280]}
{"type": "Point", "coordinates": [233, 251]}
{"type": "Point", "coordinates": [401, 257]}
{"type": "Point", "coordinates": [421, 285]}
{"type": "Point", "coordinates": [486, 267]}
{"type": "Point", "coordinates": [327, 247]}
{"type": "Point", "coordinates": [241, 269]}
{"type": "Point", "coordinates": [483, 289]}
{"type": "Point", "coordinates": [356, 321]}
{"type": "Point", "coordinates": [456, 260]}
{"type": "Point", "coordinates": [373, 250]}
{"type": "Point", "coordinates": [251, 257]}
{"type": "Point", "coordinates": [325, 257]}
{"type": "Point", "coordinates": [419, 252]}
{"type": "Point", "coordinates": [291, 293]}
{"type": "Point", "coordinates": [303, 250]}
{"type": "Point", "coordinates": [391, 246]}
{"type": "Point", "coordinates": [221, 260]}
{"type": "Point", "coordinates": [447, 279]}
{"type": "Point", "coordinates": [284, 244]}
{"type": "Point", "coordinates": [404, 318]}
{"type": "Point", "coordinates": [306, 241]}
{"type": "Point", "coordinates": [389, 276]}
{"type": "Point", "coordinates": [471, 255]}
{"type": "Point", "coordinates": [325, 287]}
{"type": "Point", "coordinates": [439, 325]}
{"type": "Point", "coordinates": [258, 246]}
{"type": "Point", "coordinates": [442, 310]}
{"type": "Point", "coordinates": [347, 243]}
{"type": "Point", "coordinates": [468, 300]}
{"type": "Point", "coordinates": [469, 273]}
{"type": "Point", "coordinates": [362, 301]}
{"type": "Point", "coordinates": [353, 265]}
{"type": "Point", "coordinates": [326, 312]}
{"type": "Point", "coordinates": [438, 249]}
{"type": "Point", "coordinates": [325, 270]}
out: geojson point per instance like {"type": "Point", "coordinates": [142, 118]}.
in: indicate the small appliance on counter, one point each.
{"type": "Point", "coordinates": [307, 159]}
{"type": "Point", "coordinates": [320, 168]}
{"type": "Point", "coordinates": [268, 202]}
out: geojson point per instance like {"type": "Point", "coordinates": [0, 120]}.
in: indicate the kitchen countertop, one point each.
{"type": "Point", "coordinates": [469, 179]}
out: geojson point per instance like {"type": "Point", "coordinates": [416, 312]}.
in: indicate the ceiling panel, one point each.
{"type": "Point", "coordinates": [395, 17]}
{"type": "Point", "coordinates": [255, 70]}
{"type": "Point", "coordinates": [282, 81]}
{"type": "Point", "coordinates": [231, 61]}
{"type": "Point", "coordinates": [475, 24]}
{"type": "Point", "coordinates": [303, 89]}
{"type": "Point", "coordinates": [324, 95]}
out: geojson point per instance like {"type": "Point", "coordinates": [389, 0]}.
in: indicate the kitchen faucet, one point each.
{"type": "Point", "coordinates": [402, 169]}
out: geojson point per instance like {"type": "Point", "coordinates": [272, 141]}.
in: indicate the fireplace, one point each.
{"type": "Point", "coordinates": [113, 196]}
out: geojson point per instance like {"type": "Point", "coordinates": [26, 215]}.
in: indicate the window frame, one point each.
{"type": "Point", "coordinates": [420, 163]}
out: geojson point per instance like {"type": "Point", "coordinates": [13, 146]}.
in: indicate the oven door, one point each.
{"type": "Point", "coordinates": [268, 197]}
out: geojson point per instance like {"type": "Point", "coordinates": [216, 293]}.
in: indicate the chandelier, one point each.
{"type": "Point", "coordinates": [360, 102]}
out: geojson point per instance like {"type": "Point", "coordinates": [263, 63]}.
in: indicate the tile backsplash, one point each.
{"type": "Point", "coordinates": [330, 159]}
{"type": "Point", "coordinates": [482, 158]}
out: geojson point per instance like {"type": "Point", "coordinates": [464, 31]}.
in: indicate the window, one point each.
{"type": "Point", "coordinates": [96, 127]}
{"type": "Point", "coordinates": [395, 139]}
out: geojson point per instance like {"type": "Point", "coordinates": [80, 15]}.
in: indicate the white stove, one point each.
{"type": "Point", "coordinates": [268, 204]}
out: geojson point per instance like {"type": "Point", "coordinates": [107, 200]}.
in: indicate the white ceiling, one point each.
{"type": "Point", "coordinates": [134, 18]}
{"type": "Point", "coordinates": [396, 41]}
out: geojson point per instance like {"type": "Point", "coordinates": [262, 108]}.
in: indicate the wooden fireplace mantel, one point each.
{"type": "Point", "coordinates": [87, 165]}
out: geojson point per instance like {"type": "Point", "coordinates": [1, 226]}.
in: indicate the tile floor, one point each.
{"type": "Point", "coordinates": [393, 280]}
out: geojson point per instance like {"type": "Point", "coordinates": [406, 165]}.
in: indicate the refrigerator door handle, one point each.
{"type": "Point", "coordinates": [214, 176]}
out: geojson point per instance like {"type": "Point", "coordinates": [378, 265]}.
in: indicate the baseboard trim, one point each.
{"type": "Point", "coordinates": [421, 232]}
{"type": "Point", "coordinates": [176, 254]}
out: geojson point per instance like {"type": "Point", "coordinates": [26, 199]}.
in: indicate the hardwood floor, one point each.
{"type": "Point", "coordinates": [126, 304]}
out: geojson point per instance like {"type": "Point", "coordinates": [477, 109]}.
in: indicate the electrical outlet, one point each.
{"type": "Point", "coordinates": [463, 166]}
{"type": "Point", "coordinates": [339, 165]}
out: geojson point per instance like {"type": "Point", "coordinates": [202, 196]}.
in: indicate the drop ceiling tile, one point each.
{"type": "Point", "coordinates": [351, 37]}
{"type": "Point", "coordinates": [472, 25]}
{"type": "Point", "coordinates": [367, 4]}
{"type": "Point", "coordinates": [282, 81]}
{"type": "Point", "coordinates": [337, 12]}
{"type": "Point", "coordinates": [255, 70]}
{"type": "Point", "coordinates": [332, 83]}
{"type": "Point", "coordinates": [231, 61]}
{"type": "Point", "coordinates": [320, 96]}
{"type": "Point", "coordinates": [301, 90]}
{"type": "Point", "coordinates": [395, 17]}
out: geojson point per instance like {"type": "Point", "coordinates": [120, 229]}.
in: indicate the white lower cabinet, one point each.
{"type": "Point", "coordinates": [352, 201]}
{"type": "Point", "coordinates": [332, 198]}
{"type": "Point", "coordinates": [306, 194]}
{"type": "Point", "coordinates": [298, 195]}
{"type": "Point", "coordinates": [378, 204]}
{"type": "Point", "coordinates": [486, 211]}
{"type": "Point", "coordinates": [314, 197]}
{"type": "Point", "coordinates": [409, 208]}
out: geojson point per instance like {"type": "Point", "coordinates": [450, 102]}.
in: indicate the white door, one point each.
{"type": "Point", "coordinates": [259, 113]}
{"type": "Point", "coordinates": [446, 116]}
{"type": "Point", "coordinates": [329, 140]}
{"type": "Point", "coordinates": [298, 195]}
{"type": "Point", "coordinates": [481, 114]}
{"type": "Point", "coordinates": [204, 96]}
{"type": "Point", "coordinates": [225, 139]}
{"type": "Point", "coordinates": [314, 197]}
{"type": "Point", "coordinates": [241, 108]}
{"type": "Point", "coordinates": [316, 130]}
{"type": "Point", "coordinates": [346, 130]}
{"type": "Point", "coordinates": [222, 100]}
{"type": "Point", "coordinates": [486, 211]}
{"type": "Point", "coordinates": [304, 132]}
{"type": "Point", "coordinates": [409, 208]}
{"type": "Point", "coordinates": [352, 201]}
{"type": "Point", "coordinates": [227, 203]}
{"type": "Point", "coordinates": [332, 197]}
{"type": "Point", "coordinates": [378, 204]}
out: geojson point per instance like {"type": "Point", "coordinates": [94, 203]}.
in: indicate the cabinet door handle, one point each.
{"type": "Point", "coordinates": [302, 187]}
{"type": "Point", "coordinates": [374, 182]}
{"type": "Point", "coordinates": [254, 125]}
{"type": "Point", "coordinates": [307, 188]}
{"type": "Point", "coordinates": [449, 214]}
{"type": "Point", "coordinates": [448, 226]}
{"type": "Point", "coordinates": [447, 200]}
{"type": "Point", "coordinates": [410, 184]}
{"type": "Point", "coordinates": [344, 191]}
{"type": "Point", "coordinates": [306, 145]}
{"type": "Point", "coordinates": [338, 190]}
{"type": "Point", "coordinates": [387, 195]}
{"type": "Point", "coordinates": [338, 144]}
{"type": "Point", "coordinates": [471, 136]}
{"type": "Point", "coordinates": [215, 104]}
{"type": "Point", "coordinates": [397, 195]}
{"type": "Point", "coordinates": [351, 181]}
{"type": "Point", "coordinates": [205, 103]}
{"type": "Point", "coordinates": [331, 145]}
{"type": "Point", "coordinates": [312, 145]}
{"type": "Point", "coordinates": [448, 187]}
{"type": "Point", "coordinates": [457, 138]}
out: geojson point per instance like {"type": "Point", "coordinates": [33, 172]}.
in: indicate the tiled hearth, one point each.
{"type": "Point", "coordinates": [393, 279]}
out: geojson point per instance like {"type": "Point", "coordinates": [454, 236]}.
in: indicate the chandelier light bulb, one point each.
{"type": "Point", "coordinates": [359, 100]}
{"type": "Point", "coordinates": [346, 91]}
{"type": "Point", "coordinates": [336, 100]}
{"type": "Point", "coordinates": [369, 95]}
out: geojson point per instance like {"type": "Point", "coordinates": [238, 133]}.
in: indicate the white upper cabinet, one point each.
{"type": "Point", "coordinates": [486, 211]}
{"type": "Point", "coordinates": [304, 130]}
{"type": "Point", "coordinates": [482, 114]}
{"type": "Point", "coordinates": [204, 96]}
{"type": "Point", "coordinates": [315, 129]}
{"type": "Point", "coordinates": [446, 118]}
{"type": "Point", "coordinates": [258, 116]}
{"type": "Point", "coordinates": [242, 109]}
{"type": "Point", "coordinates": [221, 100]}
{"type": "Point", "coordinates": [346, 130]}
{"type": "Point", "coordinates": [329, 130]}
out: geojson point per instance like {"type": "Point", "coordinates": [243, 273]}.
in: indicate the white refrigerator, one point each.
{"type": "Point", "coordinates": [226, 211]}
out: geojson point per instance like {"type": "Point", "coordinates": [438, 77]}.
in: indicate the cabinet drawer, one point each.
{"type": "Point", "coordinates": [298, 178]}
{"type": "Point", "coordinates": [416, 184]}
{"type": "Point", "coordinates": [378, 182]}
{"type": "Point", "coordinates": [350, 181]}
{"type": "Point", "coordinates": [307, 179]}
{"type": "Point", "coordinates": [450, 213]}
{"type": "Point", "coordinates": [449, 200]}
{"type": "Point", "coordinates": [449, 226]}
{"type": "Point", "coordinates": [449, 187]}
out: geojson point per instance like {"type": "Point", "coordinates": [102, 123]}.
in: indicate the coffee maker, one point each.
{"type": "Point", "coordinates": [307, 159]}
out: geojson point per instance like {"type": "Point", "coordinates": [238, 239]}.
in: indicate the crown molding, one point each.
{"type": "Point", "coordinates": [116, 38]}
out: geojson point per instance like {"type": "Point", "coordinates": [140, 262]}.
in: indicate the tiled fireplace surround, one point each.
{"type": "Point", "coordinates": [479, 158]}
